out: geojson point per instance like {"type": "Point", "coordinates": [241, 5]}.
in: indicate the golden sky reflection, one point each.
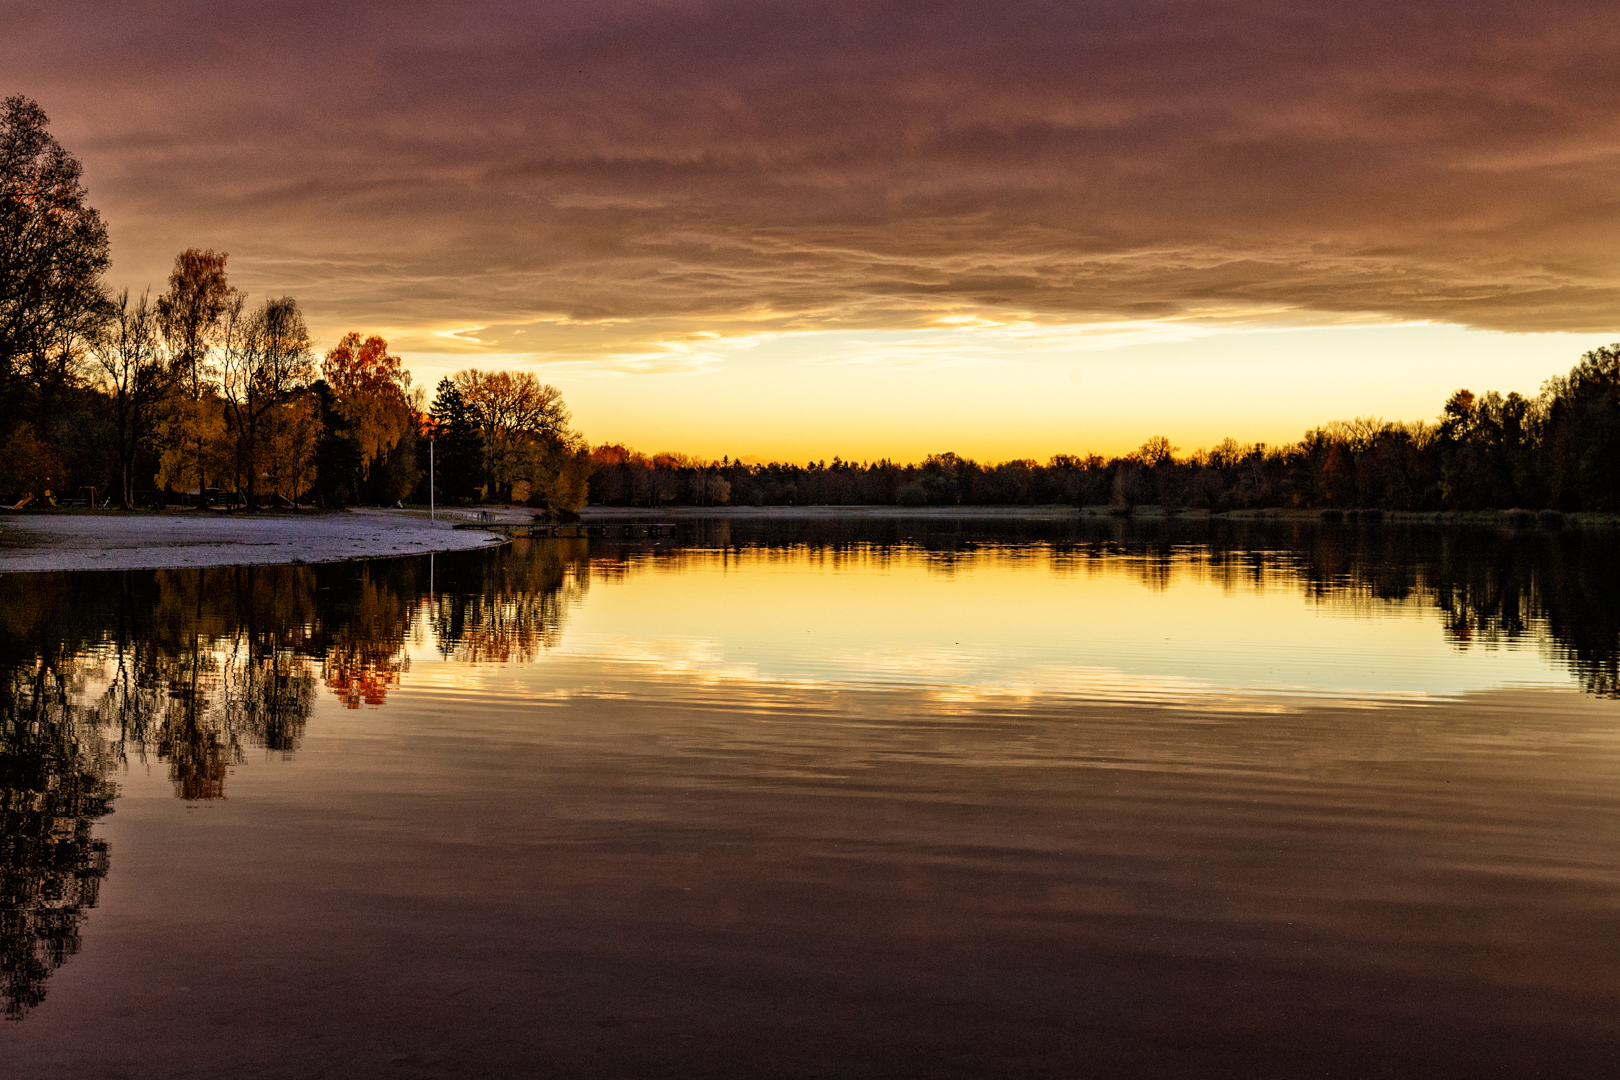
{"type": "Point", "coordinates": [995, 623]}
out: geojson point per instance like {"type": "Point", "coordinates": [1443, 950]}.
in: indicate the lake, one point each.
{"type": "Point", "coordinates": [865, 798]}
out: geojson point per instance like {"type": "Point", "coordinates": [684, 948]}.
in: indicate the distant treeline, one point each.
{"type": "Point", "coordinates": [1559, 449]}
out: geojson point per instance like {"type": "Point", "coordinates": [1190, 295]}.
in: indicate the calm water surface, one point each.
{"type": "Point", "coordinates": [823, 799]}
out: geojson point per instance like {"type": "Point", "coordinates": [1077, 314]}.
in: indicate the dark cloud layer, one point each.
{"type": "Point", "coordinates": [797, 164]}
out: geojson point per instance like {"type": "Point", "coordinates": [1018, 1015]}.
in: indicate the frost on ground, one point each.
{"type": "Point", "coordinates": [116, 541]}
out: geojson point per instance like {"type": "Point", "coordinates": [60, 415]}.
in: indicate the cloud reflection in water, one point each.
{"type": "Point", "coordinates": [797, 657]}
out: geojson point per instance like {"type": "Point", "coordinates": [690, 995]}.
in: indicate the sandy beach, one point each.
{"type": "Point", "coordinates": [112, 540]}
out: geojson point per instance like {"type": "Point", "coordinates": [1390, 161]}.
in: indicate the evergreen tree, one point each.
{"type": "Point", "coordinates": [458, 445]}
{"type": "Point", "coordinates": [337, 456]}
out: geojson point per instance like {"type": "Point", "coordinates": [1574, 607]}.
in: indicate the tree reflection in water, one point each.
{"type": "Point", "coordinates": [509, 608]}
{"type": "Point", "coordinates": [198, 668]}
{"type": "Point", "coordinates": [53, 786]}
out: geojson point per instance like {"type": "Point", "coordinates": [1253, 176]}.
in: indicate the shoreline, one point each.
{"type": "Point", "coordinates": [788, 513]}
{"type": "Point", "coordinates": [173, 540]}
{"type": "Point", "coordinates": [165, 540]}
{"type": "Point", "coordinates": [1508, 519]}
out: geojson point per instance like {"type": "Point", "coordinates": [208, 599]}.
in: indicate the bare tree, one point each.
{"type": "Point", "coordinates": [137, 379]}
{"type": "Point", "coordinates": [265, 362]}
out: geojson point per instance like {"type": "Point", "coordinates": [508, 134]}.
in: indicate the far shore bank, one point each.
{"type": "Point", "coordinates": [114, 540]}
{"type": "Point", "coordinates": [1511, 518]}
{"type": "Point", "coordinates": [674, 513]}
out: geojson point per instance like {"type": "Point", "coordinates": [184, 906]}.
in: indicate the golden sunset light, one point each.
{"type": "Point", "coordinates": [839, 539]}
{"type": "Point", "coordinates": [755, 211]}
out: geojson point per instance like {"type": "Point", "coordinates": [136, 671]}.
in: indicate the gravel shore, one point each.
{"type": "Point", "coordinates": [112, 540]}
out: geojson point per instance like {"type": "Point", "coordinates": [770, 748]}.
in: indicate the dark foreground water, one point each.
{"type": "Point", "coordinates": [890, 799]}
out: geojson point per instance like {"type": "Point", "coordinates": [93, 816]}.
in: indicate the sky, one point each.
{"type": "Point", "coordinates": [794, 230]}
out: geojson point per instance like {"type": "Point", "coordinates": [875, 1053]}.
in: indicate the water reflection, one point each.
{"type": "Point", "coordinates": [510, 607]}
{"type": "Point", "coordinates": [198, 669]}
{"type": "Point", "coordinates": [53, 786]}
{"type": "Point", "coordinates": [1556, 591]}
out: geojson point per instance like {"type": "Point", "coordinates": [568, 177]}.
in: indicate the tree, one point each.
{"type": "Point", "coordinates": [288, 438]}
{"type": "Point", "coordinates": [190, 314]}
{"type": "Point", "coordinates": [525, 428]}
{"type": "Point", "coordinates": [53, 250]}
{"type": "Point", "coordinates": [28, 465]}
{"type": "Point", "coordinates": [190, 317]}
{"type": "Point", "coordinates": [368, 386]}
{"type": "Point", "coordinates": [562, 481]}
{"type": "Point", "coordinates": [1581, 447]}
{"type": "Point", "coordinates": [947, 478]}
{"type": "Point", "coordinates": [194, 444]}
{"type": "Point", "coordinates": [266, 362]}
{"type": "Point", "coordinates": [337, 459]}
{"type": "Point", "coordinates": [1487, 450]}
{"type": "Point", "coordinates": [137, 380]}
{"type": "Point", "coordinates": [1156, 452]}
{"type": "Point", "coordinates": [458, 458]}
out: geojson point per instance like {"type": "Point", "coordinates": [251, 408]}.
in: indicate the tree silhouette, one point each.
{"type": "Point", "coordinates": [191, 319]}
{"type": "Point", "coordinates": [138, 381]}
{"type": "Point", "coordinates": [458, 451]}
{"type": "Point", "coordinates": [266, 362]}
{"type": "Point", "coordinates": [53, 250]}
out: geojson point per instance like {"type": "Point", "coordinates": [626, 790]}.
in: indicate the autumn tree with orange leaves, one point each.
{"type": "Point", "coordinates": [371, 388]}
